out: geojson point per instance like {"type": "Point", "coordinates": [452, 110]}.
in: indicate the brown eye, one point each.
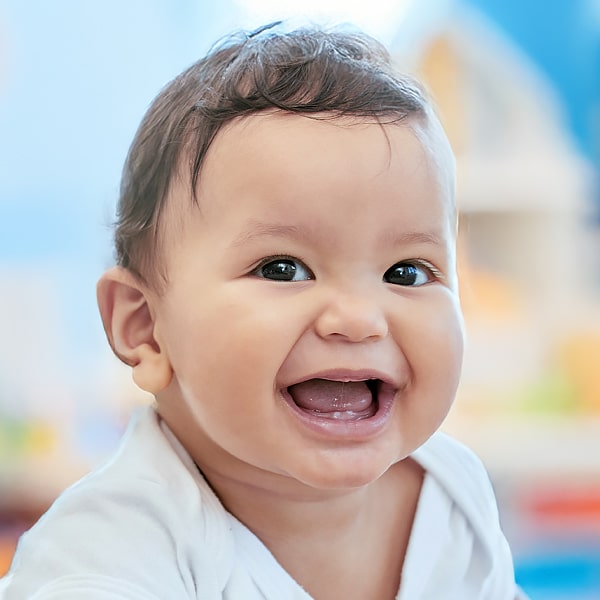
{"type": "Point", "coordinates": [283, 269]}
{"type": "Point", "coordinates": [407, 274]}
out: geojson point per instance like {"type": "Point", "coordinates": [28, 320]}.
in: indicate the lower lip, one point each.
{"type": "Point", "coordinates": [350, 430]}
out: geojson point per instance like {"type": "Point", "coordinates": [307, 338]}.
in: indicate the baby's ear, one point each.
{"type": "Point", "coordinates": [129, 325]}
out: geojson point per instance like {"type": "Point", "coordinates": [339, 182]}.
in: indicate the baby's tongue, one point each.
{"type": "Point", "coordinates": [336, 399]}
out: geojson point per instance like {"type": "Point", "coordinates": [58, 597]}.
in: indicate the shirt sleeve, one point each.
{"type": "Point", "coordinates": [99, 547]}
{"type": "Point", "coordinates": [91, 587]}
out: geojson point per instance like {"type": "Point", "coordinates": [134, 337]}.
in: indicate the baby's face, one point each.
{"type": "Point", "coordinates": [311, 317]}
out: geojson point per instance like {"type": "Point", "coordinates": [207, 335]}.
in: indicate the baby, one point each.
{"type": "Point", "coordinates": [286, 289]}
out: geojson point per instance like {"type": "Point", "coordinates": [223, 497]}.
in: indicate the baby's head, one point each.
{"type": "Point", "coordinates": [315, 73]}
{"type": "Point", "coordinates": [286, 284]}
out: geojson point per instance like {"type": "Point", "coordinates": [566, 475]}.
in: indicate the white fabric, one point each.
{"type": "Point", "coordinates": [146, 526]}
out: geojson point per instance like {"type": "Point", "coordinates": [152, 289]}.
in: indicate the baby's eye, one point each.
{"type": "Point", "coordinates": [408, 274]}
{"type": "Point", "coordinates": [283, 269]}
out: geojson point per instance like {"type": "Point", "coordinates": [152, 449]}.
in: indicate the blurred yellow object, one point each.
{"type": "Point", "coordinates": [441, 69]}
{"type": "Point", "coordinates": [21, 438]}
{"type": "Point", "coordinates": [551, 394]}
{"type": "Point", "coordinates": [579, 356]}
{"type": "Point", "coordinates": [40, 439]}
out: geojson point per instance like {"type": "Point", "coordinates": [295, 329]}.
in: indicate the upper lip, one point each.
{"type": "Point", "coordinates": [346, 375]}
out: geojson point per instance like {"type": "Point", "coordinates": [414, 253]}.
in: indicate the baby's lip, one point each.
{"type": "Point", "coordinates": [346, 375]}
{"type": "Point", "coordinates": [365, 416]}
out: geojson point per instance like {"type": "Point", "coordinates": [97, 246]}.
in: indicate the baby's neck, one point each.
{"type": "Point", "coordinates": [346, 543]}
{"type": "Point", "coordinates": [335, 544]}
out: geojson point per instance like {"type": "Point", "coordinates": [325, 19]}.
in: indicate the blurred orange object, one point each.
{"type": "Point", "coordinates": [580, 358]}
{"type": "Point", "coordinates": [565, 507]}
{"type": "Point", "coordinates": [7, 549]}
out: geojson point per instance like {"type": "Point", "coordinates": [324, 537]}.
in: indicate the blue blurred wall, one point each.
{"type": "Point", "coordinates": [563, 38]}
{"type": "Point", "coordinates": [75, 79]}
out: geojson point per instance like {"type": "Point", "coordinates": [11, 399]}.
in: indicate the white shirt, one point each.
{"type": "Point", "coordinates": [147, 526]}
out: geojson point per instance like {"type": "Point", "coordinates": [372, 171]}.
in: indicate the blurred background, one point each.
{"type": "Point", "coordinates": [518, 87]}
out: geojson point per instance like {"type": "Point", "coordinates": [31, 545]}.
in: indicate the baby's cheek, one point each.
{"type": "Point", "coordinates": [441, 346]}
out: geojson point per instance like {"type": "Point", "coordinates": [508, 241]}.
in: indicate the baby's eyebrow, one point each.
{"type": "Point", "coordinates": [258, 229]}
{"type": "Point", "coordinates": [407, 238]}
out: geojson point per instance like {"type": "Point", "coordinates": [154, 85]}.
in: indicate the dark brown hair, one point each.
{"type": "Point", "coordinates": [325, 74]}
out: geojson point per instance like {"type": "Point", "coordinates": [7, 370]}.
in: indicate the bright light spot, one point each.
{"type": "Point", "coordinates": [380, 18]}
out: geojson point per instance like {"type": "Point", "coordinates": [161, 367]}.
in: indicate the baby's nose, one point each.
{"type": "Point", "coordinates": [352, 316]}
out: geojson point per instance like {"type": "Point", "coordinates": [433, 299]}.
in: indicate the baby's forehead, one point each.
{"type": "Point", "coordinates": [282, 132]}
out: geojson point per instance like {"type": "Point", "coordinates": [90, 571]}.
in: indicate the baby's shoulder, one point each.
{"type": "Point", "coordinates": [133, 518]}
{"type": "Point", "coordinates": [145, 477]}
{"type": "Point", "coordinates": [462, 474]}
{"type": "Point", "coordinates": [444, 451]}
{"type": "Point", "coordinates": [457, 534]}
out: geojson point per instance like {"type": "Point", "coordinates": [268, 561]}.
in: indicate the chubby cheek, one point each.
{"type": "Point", "coordinates": [229, 351]}
{"type": "Point", "coordinates": [433, 345]}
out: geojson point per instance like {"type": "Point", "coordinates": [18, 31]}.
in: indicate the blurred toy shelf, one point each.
{"type": "Point", "coordinates": [33, 483]}
{"type": "Point", "coordinates": [528, 448]}
{"type": "Point", "coordinates": [529, 266]}
{"type": "Point", "coordinates": [40, 457]}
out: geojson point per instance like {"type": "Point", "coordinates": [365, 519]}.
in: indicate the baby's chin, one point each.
{"type": "Point", "coordinates": [343, 471]}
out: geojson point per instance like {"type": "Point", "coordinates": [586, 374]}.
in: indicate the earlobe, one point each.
{"type": "Point", "coordinates": [130, 329]}
{"type": "Point", "coordinates": [153, 372]}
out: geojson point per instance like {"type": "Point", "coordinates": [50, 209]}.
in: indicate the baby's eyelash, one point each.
{"type": "Point", "coordinates": [421, 262]}
{"type": "Point", "coordinates": [268, 259]}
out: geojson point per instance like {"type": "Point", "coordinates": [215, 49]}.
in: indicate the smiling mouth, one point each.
{"type": "Point", "coordinates": [337, 400]}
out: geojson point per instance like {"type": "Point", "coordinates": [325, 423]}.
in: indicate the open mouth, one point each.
{"type": "Point", "coordinates": [337, 400]}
